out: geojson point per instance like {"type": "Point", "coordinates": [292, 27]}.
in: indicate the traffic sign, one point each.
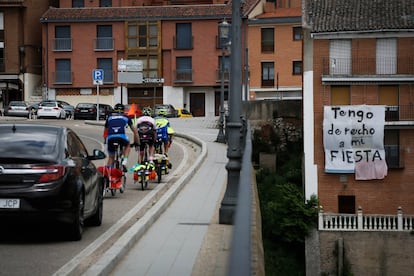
{"type": "Point", "coordinates": [98, 76]}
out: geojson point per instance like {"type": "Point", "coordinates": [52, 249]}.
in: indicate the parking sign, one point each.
{"type": "Point", "coordinates": [98, 76]}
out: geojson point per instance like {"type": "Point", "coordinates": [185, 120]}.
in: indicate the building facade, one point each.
{"type": "Point", "coordinates": [21, 50]}
{"type": "Point", "coordinates": [358, 95]}
{"type": "Point", "coordinates": [178, 46]}
{"type": "Point", "coordinates": [275, 51]}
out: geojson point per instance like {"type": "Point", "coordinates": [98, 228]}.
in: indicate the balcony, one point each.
{"type": "Point", "coordinates": [183, 44]}
{"type": "Point", "coordinates": [226, 75]}
{"type": "Point", "coordinates": [108, 77]}
{"type": "Point", "coordinates": [104, 44]}
{"type": "Point", "coordinates": [62, 44]}
{"type": "Point", "coordinates": [62, 77]}
{"type": "Point", "coordinates": [368, 69]}
{"type": "Point", "coordinates": [361, 222]}
{"type": "Point", "coordinates": [183, 75]}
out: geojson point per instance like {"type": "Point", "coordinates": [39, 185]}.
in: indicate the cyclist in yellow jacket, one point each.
{"type": "Point", "coordinates": [164, 130]}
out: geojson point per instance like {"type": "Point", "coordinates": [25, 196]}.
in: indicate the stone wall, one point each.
{"type": "Point", "coordinates": [361, 253]}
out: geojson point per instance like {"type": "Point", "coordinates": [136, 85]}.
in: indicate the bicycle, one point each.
{"type": "Point", "coordinates": [115, 176]}
{"type": "Point", "coordinates": [144, 170]}
{"type": "Point", "coordinates": [161, 161]}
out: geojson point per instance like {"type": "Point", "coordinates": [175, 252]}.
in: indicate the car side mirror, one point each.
{"type": "Point", "coordinates": [97, 155]}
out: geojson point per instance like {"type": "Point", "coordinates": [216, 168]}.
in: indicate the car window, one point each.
{"type": "Point", "coordinates": [85, 105]}
{"type": "Point", "coordinates": [23, 142]}
{"type": "Point", "coordinates": [75, 146]}
{"type": "Point", "coordinates": [49, 104]}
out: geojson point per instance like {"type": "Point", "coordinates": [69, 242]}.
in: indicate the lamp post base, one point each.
{"type": "Point", "coordinates": [221, 138]}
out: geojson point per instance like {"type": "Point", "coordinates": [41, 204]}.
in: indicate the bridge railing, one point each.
{"type": "Point", "coordinates": [247, 255]}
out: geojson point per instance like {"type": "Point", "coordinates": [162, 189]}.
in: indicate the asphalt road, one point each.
{"type": "Point", "coordinates": [38, 249]}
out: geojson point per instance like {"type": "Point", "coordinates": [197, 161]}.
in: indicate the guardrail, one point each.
{"type": "Point", "coordinates": [247, 255]}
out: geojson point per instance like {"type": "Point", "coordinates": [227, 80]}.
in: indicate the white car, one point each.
{"type": "Point", "coordinates": [51, 109]}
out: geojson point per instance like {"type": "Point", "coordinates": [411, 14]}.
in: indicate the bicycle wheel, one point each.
{"type": "Point", "coordinates": [159, 173]}
{"type": "Point", "coordinates": [142, 180]}
{"type": "Point", "coordinates": [123, 185]}
{"type": "Point", "coordinates": [106, 186]}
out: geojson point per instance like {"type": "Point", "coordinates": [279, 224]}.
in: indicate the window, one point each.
{"type": "Point", "coordinates": [340, 95]}
{"type": "Point", "coordinates": [104, 40]}
{"type": "Point", "coordinates": [297, 33]}
{"type": "Point", "coordinates": [184, 69]}
{"type": "Point", "coordinates": [143, 34]}
{"type": "Point", "coordinates": [268, 40]}
{"type": "Point", "coordinates": [340, 57]}
{"type": "Point", "coordinates": [386, 56]}
{"type": "Point", "coordinates": [268, 74]}
{"type": "Point", "coordinates": [105, 3]}
{"type": "Point", "coordinates": [226, 64]}
{"type": "Point", "coordinates": [63, 71]}
{"type": "Point", "coordinates": [297, 67]}
{"type": "Point", "coordinates": [78, 3]}
{"type": "Point", "coordinates": [392, 148]}
{"type": "Point", "coordinates": [106, 65]}
{"type": "Point", "coordinates": [63, 41]}
{"type": "Point", "coordinates": [346, 204]}
{"type": "Point", "coordinates": [184, 38]}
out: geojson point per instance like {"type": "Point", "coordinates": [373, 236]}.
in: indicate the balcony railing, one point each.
{"type": "Point", "coordinates": [368, 66]}
{"type": "Point", "coordinates": [180, 44]}
{"type": "Point", "coordinates": [108, 77]}
{"type": "Point", "coordinates": [183, 75]}
{"type": "Point", "coordinates": [62, 77]}
{"type": "Point", "coordinates": [394, 156]}
{"type": "Point", "coordinates": [226, 75]}
{"type": "Point", "coordinates": [399, 113]}
{"type": "Point", "coordinates": [104, 44]}
{"type": "Point", "coordinates": [62, 44]}
{"type": "Point", "coordinates": [360, 222]}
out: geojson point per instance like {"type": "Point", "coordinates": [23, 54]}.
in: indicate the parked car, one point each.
{"type": "Point", "coordinates": [104, 111]}
{"type": "Point", "coordinates": [183, 113]}
{"type": "Point", "coordinates": [87, 111]}
{"type": "Point", "coordinates": [51, 109]}
{"type": "Point", "coordinates": [69, 109]}
{"type": "Point", "coordinates": [46, 173]}
{"type": "Point", "coordinates": [17, 108]}
{"type": "Point", "coordinates": [171, 111]}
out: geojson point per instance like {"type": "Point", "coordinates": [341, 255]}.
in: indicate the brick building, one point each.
{"type": "Point", "coordinates": [358, 95]}
{"type": "Point", "coordinates": [275, 64]}
{"type": "Point", "coordinates": [21, 49]}
{"type": "Point", "coordinates": [178, 45]}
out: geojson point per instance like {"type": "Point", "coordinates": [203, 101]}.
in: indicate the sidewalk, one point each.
{"type": "Point", "coordinates": [186, 239]}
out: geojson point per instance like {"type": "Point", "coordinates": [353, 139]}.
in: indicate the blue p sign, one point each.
{"type": "Point", "coordinates": [98, 76]}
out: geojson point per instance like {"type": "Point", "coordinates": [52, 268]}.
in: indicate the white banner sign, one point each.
{"type": "Point", "coordinates": [353, 138]}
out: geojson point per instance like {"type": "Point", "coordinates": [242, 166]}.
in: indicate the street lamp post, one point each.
{"type": "Point", "coordinates": [224, 29]}
{"type": "Point", "coordinates": [234, 123]}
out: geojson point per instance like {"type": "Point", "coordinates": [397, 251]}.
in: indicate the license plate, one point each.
{"type": "Point", "coordinates": [48, 109]}
{"type": "Point", "coordinates": [84, 110]}
{"type": "Point", "coordinates": [9, 203]}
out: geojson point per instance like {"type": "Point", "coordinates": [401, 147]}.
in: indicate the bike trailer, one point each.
{"type": "Point", "coordinates": [113, 174]}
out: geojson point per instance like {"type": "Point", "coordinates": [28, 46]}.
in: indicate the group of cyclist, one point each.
{"type": "Point", "coordinates": [147, 131]}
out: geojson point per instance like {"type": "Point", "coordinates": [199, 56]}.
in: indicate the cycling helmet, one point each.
{"type": "Point", "coordinates": [147, 111]}
{"type": "Point", "coordinates": [120, 108]}
{"type": "Point", "coordinates": [162, 113]}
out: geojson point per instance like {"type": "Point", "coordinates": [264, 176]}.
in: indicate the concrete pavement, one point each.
{"type": "Point", "coordinates": [186, 238]}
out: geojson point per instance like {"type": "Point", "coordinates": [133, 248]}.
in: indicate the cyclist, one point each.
{"type": "Point", "coordinates": [164, 130]}
{"type": "Point", "coordinates": [114, 132]}
{"type": "Point", "coordinates": [147, 133]}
